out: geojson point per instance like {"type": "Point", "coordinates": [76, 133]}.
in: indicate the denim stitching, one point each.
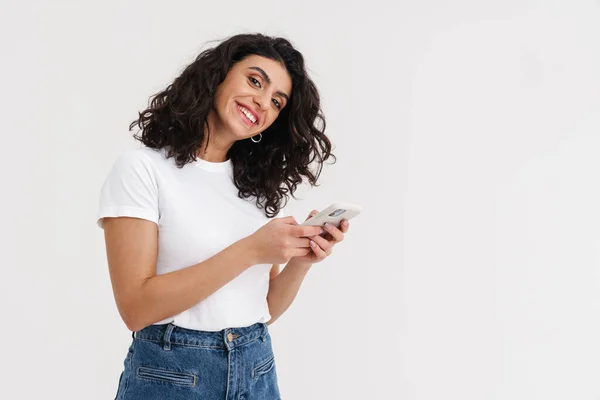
{"type": "Point", "coordinates": [182, 344]}
{"type": "Point", "coordinates": [164, 378]}
{"type": "Point", "coordinates": [194, 345]}
{"type": "Point", "coordinates": [261, 365]}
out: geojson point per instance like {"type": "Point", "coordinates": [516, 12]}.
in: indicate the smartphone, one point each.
{"type": "Point", "coordinates": [334, 214]}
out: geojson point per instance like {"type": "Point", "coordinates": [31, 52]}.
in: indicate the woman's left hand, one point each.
{"type": "Point", "coordinates": [322, 247]}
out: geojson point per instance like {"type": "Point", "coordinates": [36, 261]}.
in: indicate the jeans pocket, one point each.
{"type": "Point", "coordinates": [168, 376]}
{"type": "Point", "coordinates": [264, 366]}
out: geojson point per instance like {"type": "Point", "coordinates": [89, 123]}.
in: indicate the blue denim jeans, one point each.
{"type": "Point", "coordinates": [170, 362]}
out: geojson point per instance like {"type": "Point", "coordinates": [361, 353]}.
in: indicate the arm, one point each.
{"type": "Point", "coordinates": [284, 287]}
{"type": "Point", "coordinates": [143, 297]}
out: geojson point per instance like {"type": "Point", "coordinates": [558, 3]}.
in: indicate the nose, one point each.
{"type": "Point", "coordinates": [262, 100]}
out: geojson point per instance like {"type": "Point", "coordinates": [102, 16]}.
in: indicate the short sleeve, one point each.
{"type": "Point", "coordinates": [130, 189]}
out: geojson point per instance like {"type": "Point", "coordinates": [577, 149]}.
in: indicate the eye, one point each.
{"type": "Point", "coordinates": [254, 81]}
{"type": "Point", "coordinates": [277, 104]}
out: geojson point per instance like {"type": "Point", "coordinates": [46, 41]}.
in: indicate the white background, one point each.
{"type": "Point", "coordinates": [467, 130]}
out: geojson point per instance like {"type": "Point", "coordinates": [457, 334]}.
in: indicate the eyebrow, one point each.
{"type": "Point", "coordinates": [266, 77]}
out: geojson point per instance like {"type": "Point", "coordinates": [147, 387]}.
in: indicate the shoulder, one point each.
{"type": "Point", "coordinates": [143, 157]}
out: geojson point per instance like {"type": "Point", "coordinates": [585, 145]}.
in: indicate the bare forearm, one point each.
{"type": "Point", "coordinates": [284, 288]}
{"type": "Point", "coordinates": [162, 296]}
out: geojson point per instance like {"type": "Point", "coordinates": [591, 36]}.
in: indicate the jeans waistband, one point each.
{"type": "Point", "coordinates": [229, 338]}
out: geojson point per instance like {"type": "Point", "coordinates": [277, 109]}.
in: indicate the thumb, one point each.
{"type": "Point", "coordinates": [312, 214]}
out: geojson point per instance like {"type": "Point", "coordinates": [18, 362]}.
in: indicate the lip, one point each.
{"type": "Point", "coordinates": [252, 111]}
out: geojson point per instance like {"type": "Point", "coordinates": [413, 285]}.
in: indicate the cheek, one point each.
{"type": "Point", "coordinates": [224, 107]}
{"type": "Point", "coordinates": [220, 98]}
{"type": "Point", "coordinates": [272, 117]}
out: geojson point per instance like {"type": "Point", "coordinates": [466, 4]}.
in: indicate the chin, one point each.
{"type": "Point", "coordinates": [239, 129]}
{"type": "Point", "coordinates": [240, 132]}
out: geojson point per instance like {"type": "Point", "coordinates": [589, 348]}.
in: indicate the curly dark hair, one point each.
{"type": "Point", "coordinates": [176, 119]}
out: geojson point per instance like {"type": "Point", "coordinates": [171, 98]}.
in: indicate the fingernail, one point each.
{"type": "Point", "coordinates": [327, 225]}
{"type": "Point", "coordinates": [313, 244]}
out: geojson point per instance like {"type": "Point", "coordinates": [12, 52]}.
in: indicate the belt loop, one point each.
{"type": "Point", "coordinates": [263, 337]}
{"type": "Point", "coordinates": [167, 337]}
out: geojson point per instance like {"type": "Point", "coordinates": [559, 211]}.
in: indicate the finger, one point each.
{"type": "Point", "coordinates": [311, 214]}
{"type": "Point", "coordinates": [301, 252]}
{"type": "Point", "coordinates": [302, 242]}
{"type": "Point", "coordinates": [306, 231]}
{"type": "Point", "coordinates": [338, 235]}
{"type": "Point", "coordinates": [344, 226]}
{"type": "Point", "coordinates": [319, 252]}
{"type": "Point", "coordinates": [290, 220]}
{"type": "Point", "coordinates": [324, 244]}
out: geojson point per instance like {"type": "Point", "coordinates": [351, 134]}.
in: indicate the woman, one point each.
{"type": "Point", "coordinates": [193, 248]}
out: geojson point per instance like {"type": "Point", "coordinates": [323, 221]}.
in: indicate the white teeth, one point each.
{"type": "Point", "coordinates": [248, 114]}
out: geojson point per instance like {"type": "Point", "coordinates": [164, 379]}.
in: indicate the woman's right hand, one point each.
{"type": "Point", "coordinates": [280, 239]}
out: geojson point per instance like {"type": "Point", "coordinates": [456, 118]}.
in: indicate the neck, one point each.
{"type": "Point", "coordinates": [219, 143]}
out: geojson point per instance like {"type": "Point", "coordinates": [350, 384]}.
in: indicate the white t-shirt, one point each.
{"type": "Point", "coordinates": [198, 213]}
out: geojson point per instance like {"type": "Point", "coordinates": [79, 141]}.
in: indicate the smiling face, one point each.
{"type": "Point", "coordinates": [251, 97]}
